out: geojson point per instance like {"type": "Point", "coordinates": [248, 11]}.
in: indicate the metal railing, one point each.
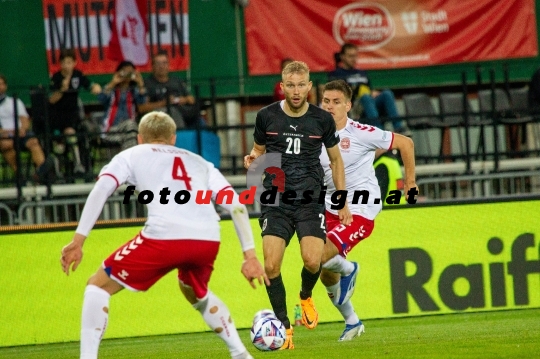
{"type": "Point", "coordinates": [69, 210]}
{"type": "Point", "coordinates": [489, 185]}
{"type": "Point", "coordinates": [9, 217]}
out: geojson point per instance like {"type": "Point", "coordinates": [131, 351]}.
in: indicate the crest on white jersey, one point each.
{"type": "Point", "coordinates": [345, 143]}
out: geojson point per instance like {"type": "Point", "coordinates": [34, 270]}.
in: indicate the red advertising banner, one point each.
{"type": "Point", "coordinates": [138, 29]}
{"type": "Point", "coordinates": [389, 34]}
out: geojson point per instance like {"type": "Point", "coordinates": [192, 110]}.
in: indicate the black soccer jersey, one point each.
{"type": "Point", "coordinates": [68, 102]}
{"type": "Point", "coordinates": [299, 140]}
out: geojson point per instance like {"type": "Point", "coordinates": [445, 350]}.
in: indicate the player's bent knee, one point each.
{"type": "Point", "coordinates": [312, 263]}
{"type": "Point", "coordinates": [272, 270]}
{"type": "Point", "coordinates": [329, 278]}
{"type": "Point", "coordinates": [313, 267]}
{"type": "Point", "coordinates": [102, 280]}
{"type": "Point", "coordinates": [329, 252]}
{"type": "Point", "coordinates": [188, 293]}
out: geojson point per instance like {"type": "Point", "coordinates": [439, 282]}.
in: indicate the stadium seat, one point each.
{"type": "Point", "coordinates": [451, 105]}
{"type": "Point", "coordinates": [519, 97]}
{"type": "Point", "coordinates": [501, 112]}
{"type": "Point", "coordinates": [210, 144]}
{"type": "Point", "coordinates": [421, 115]}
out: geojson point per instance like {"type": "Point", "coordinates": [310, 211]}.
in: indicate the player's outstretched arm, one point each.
{"type": "Point", "coordinates": [405, 145]}
{"type": "Point", "coordinates": [72, 253]}
{"type": "Point", "coordinates": [257, 151]}
{"type": "Point", "coordinates": [338, 176]}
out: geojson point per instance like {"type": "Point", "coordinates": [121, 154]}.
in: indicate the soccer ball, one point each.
{"type": "Point", "coordinates": [268, 332]}
{"type": "Point", "coordinates": [265, 313]}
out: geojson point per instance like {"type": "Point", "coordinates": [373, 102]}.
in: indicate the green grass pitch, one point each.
{"type": "Point", "coordinates": [501, 334]}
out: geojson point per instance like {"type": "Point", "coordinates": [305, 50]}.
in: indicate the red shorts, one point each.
{"type": "Point", "coordinates": [346, 237]}
{"type": "Point", "coordinates": [141, 262]}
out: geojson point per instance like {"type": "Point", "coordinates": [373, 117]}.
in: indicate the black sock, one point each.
{"type": "Point", "coordinates": [308, 282]}
{"type": "Point", "coordinates": [276, 293]}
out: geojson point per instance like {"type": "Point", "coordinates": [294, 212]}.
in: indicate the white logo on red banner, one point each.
{"type": "Point", "coordinates": [367, 25]}
{"type": "Point", "coordinates": [410, 21]}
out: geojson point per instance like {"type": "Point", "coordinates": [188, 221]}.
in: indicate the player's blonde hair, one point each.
{"type": "Point", "coordinates": [156, 126]}
{"type": "Point", "coordinates": [295, 67]}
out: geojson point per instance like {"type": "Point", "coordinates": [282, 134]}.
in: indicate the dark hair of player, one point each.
{"type": "Point", "coordinates": [339, 85]}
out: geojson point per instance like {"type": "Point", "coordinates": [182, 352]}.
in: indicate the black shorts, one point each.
{"type": "Point", "coordinates": [22, 140]}
{"type": "Point", "coordinates": [61, 121]}
{"type": "Point", "coordinates": [306, 220]}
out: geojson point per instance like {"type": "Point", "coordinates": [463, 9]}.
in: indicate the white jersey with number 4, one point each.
{"type": "Point", "coordinates": [153, 167]}
{"type": "Point", "coordinates": [357, 146]}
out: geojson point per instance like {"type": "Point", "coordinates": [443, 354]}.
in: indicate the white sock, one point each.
{"type": "Point", "coordinates": [346, 309]}
{"type": "Point", "coordinates": [95, 314]}
{"type": "Point", "coordinates": [348, 313]}
{"type": "Point", "coordinates": [216, 314]}
{"type": "Point", "coordinates": [340, 265]}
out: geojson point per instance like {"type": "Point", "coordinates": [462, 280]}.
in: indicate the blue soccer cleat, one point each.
{"type": "Point", "coordinates": [351, 331]}
{"type": "Point", "coordinates": [347, 285]}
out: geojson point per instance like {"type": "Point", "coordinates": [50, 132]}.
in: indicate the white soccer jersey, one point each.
{"type": "Point", "coordinates": [152, 167]}
{"type": "Point", "coordinates": [6, 113]}
{"type": "Point", "coordinates": [358, 144]}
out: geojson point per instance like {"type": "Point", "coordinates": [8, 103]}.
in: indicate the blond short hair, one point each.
{"type": "Point", "coordinates": [156, 126]}
{"type": "Point", "coordinates": [295, 67]}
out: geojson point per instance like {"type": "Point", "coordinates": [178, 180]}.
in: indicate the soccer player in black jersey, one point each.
{"type": "Point", "coordinates": [296, 130]}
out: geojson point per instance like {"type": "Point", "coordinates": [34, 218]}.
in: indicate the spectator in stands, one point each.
{"type": "Point", "coordinates": [534, 91]}
{"type": "Point", "coordinates": [25, 135]}
{"type": "Point", "coordinates": [376, 104]}
{"type": "Point", "coordinates": [122, 97]}
{"type": "Point", "coordinates": [280, 95]}
{"type": "Point", "coordinates": [64, 99]}
{"type": "Point", "coordinates": [169, 94]}
{"type": "Point", "coordinates": [389, 174]}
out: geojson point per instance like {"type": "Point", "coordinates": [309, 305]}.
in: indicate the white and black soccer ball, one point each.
{"type": "Point", "coordinates": [268, 332]}
{"type": "Point", "coordinates": [264, 313]}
